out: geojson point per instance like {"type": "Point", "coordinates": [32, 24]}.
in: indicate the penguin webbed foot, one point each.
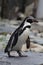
{"type": "Point", "coordinates": [21, 55]}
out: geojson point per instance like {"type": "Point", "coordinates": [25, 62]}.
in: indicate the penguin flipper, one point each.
{"type": "Point", "coordinates": [12, 42]}
{"type": "Point", "coordinates": [7, 46]}
{"type": "Point", "coordinates": [28, 42]}
{"type": "Point", "coordinates": [9, 43]}
{"type": "Point", "coordinates": [15, 40]}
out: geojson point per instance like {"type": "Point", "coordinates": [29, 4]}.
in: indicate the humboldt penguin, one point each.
{"type": "Point", "coordinates": [19, 37]}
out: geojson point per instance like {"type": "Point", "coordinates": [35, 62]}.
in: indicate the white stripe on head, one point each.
{"type": "Point", "coordinates": [26, 24]}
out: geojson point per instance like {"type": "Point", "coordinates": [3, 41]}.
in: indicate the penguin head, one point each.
{"type": "Point", "coordinates": [29, 21]}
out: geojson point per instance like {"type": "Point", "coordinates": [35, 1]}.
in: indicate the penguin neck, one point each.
{"type": "Point", "coordinates": [24, 29]}
{"type": "Point", "coordinates": [26, 24]}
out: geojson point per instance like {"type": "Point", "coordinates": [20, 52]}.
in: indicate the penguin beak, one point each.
{"type": "Point", "coordinates": [34, 20]}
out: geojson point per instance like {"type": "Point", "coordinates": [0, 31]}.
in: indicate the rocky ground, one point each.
{"type": "Point", "coordinates": [36, 37]}
{"type": "Point", "coordinates": [32, 59]}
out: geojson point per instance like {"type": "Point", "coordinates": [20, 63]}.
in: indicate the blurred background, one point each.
{"type": "Point", "coordinates": [10, 9]}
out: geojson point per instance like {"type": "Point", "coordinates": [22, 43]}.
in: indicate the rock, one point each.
{"type": "Point", "coordinates": [36, 47]}
{"type": "Point", "coordinates": [33, 47]}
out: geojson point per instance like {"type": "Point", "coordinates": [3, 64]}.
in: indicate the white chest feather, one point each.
{"type": "Point", "coordinates": [21, 40]}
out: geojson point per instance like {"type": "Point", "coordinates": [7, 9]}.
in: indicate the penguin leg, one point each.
{"type": "Point", "coordinates": [9, 54]}
{"type": "Point", "coordinates": [20, 54]}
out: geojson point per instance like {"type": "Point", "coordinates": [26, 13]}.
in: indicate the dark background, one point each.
{"type": "Point", "coordinates": [7, 7]}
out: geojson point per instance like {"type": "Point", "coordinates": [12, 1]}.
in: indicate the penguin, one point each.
{"type": "Point", "coordinates": [19, 37]}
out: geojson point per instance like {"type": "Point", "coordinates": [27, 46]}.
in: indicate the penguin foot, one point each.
{"type": "Point", "coordinates": [10, 55]}
{"type": "Point", "coordinates": [21, 54]}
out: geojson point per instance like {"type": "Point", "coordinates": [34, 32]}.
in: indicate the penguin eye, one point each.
{"type": "Point", "coordinates": [29, 20]}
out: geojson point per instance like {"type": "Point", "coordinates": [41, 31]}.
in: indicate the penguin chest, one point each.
{"type": "Point", "coordinates": [21, 40]}
{"type": "Point", "coordinates": [24, 35]}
